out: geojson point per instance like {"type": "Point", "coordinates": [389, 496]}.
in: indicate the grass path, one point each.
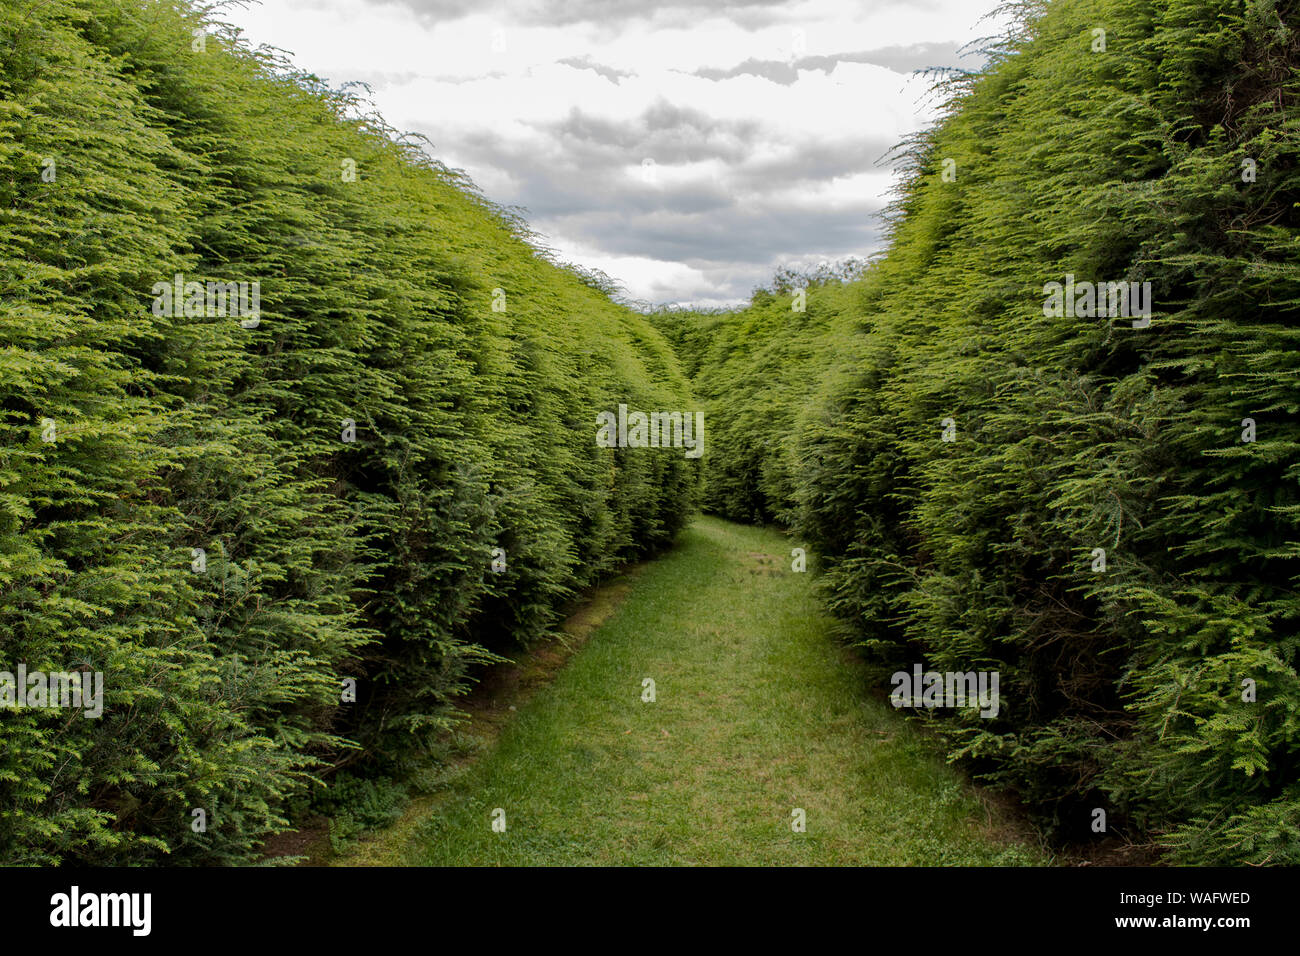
{"type": "Point", "coordinates": [758, 711]}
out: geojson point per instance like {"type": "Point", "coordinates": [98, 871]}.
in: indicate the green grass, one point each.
{"type": "Point", "coordinates": [759, 711]}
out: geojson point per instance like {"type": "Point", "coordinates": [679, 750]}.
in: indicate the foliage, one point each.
{"type": "Point", "coordinates": [327, 559]}
{"type": "Point", "coordinates": [1123, 689]}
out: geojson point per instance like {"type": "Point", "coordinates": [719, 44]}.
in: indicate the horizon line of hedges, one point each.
{"type": "Point", "coordinates": [133, 149]}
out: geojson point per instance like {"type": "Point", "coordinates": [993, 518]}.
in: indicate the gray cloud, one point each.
{"type": "Point", "coordinates": [583, 184]}
{"type": "Point", "coordinates": [665, 132]}
{"type": "Point", "coordinates": [750, 13]}
{"type": "Point", "coordinates": [750, 233]}
{"type": "Point", "coordinates": [586, 63]}
{"type": "Point", "coordinates": [900, 59]}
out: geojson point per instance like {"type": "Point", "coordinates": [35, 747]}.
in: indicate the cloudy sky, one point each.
{"type": "Point", "coordinates": [687, 148]}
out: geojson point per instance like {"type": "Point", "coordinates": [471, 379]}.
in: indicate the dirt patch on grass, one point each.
{"type": "Point", "coordinates": [1113, 852]}
{"type": "Point", "coordinates": [310, 842]}
{"type": "Point", "coordinates": [756, 562]}
{"type": "Point", "coordinates": [1005, 820]}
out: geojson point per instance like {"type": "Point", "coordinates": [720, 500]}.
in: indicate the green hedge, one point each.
{"type": "Point", "coordinates": [1121, 690]}
{"type": "Point", "coordinates": [326, 559]}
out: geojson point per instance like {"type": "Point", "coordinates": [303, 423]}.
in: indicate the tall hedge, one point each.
{"type": "Point", "coordinates": [1162, 689]}
{"type": "Point", "coordinates": [230, 518]}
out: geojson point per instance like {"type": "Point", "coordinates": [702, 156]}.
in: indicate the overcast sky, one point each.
{"type": "Point", "coordinates": [688, 149]}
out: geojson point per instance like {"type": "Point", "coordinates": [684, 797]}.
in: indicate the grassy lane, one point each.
{"type": "Point", "coordinates": [758, 711]}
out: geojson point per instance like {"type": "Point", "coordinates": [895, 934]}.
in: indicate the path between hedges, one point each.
{"type": "Point", "coordinates": [758, 711]}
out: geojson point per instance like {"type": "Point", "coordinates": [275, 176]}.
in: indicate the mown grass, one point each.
{"type": "Point", "coordinates": [758, 711]}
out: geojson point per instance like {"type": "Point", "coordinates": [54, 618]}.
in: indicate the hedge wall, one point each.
{"type": "Point", "coordinates": [229, 516]}
{"type": "Point", "coordinates": [1162, 689]}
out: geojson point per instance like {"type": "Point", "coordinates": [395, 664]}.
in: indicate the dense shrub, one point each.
{"type": "Point", "coordinates": [132, 150]}
{"type": "Point", "coordinates": [772, 355]}
{"type": "Point", "coordinates": [1121, 689]}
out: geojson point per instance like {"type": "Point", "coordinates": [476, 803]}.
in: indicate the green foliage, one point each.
{"type": "Point", "coordinates": [772, 353]}
{"type": "Point", "coordinates": [326, 559]}
{"type": "Point", "coordinates": [356, 805]}
{"type": "Point", "coordinates": [1121, 689]}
